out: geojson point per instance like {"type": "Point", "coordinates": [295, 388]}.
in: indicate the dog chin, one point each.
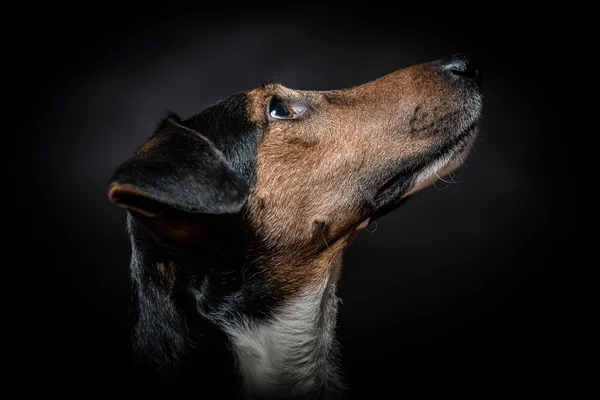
{"type": "Point", "coordinates": [442, 167]}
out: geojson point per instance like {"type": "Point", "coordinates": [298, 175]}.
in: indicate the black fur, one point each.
{"type": "Point", "coordinates": [182, 170]}
{"type": "Point", "coordinates": [199, 171]}
{"type": "Point", "coordinates": [172, 341]}
{"type": "Point", "coordinates": [192, 178]}
{"type": "Point", "coordinates": [228, 127]}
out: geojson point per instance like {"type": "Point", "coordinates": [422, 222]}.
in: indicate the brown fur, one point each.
{"type": "Point", "coordinates": [239, 215]}
{"type": "Point", "coordinates": [167, 274]}
{"type": "Point", "coordinates": [317, 175]}
{"type": "Point", "coordinates": [306, 204]}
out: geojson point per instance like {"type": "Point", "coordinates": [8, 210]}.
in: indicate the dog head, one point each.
{"type": "Point", "coordinates": [302, 171]}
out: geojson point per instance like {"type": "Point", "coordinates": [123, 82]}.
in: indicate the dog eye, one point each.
{"type": "Point", "coordinates": [280, 110]}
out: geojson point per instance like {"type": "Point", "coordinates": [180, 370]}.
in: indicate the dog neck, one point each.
{"type": "Point", "coordinates": [281, 349]}
{"type": "Point", "coordinates": [289, 352]}
{"type": "Point", "coordinates": [293, 354]}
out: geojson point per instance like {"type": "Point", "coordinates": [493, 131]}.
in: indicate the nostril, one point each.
{"type": "Point", "coordinates": [462, 66]}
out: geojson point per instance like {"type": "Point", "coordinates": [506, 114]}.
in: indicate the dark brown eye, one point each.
{"type": "Point", "coordinates": [280, 110]}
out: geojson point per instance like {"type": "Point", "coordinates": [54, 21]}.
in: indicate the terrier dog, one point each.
{"type": "Point", "coordinates": [239, 215]}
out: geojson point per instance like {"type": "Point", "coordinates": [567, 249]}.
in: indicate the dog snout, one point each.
{"type": "Point", "coordinates": [461, 67]}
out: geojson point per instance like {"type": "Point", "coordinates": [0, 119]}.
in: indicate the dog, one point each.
{"type": "Point", "coordinates": [239, 216]}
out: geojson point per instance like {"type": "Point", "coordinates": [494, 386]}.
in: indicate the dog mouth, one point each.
{"type": "Point", "coordinates": [420, 172]}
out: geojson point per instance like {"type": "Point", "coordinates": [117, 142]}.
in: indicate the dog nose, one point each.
{"type": "Point", "coordinates": [461, 67]}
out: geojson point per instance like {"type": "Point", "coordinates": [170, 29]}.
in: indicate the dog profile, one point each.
{"type": "Point", "coordinates": [239, 217]}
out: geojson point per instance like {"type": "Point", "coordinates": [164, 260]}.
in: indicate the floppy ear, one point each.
{"type": "Point", "coordinates": [175, 177]}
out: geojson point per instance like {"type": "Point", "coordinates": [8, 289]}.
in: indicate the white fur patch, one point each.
{"type": "Point", "coordinates": [294, 354]}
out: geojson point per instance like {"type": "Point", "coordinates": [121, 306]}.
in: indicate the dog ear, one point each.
{"type": "Point", "coordinates": [177, 176]}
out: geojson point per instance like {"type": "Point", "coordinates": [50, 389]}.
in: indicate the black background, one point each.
{"type": "Point", "coordinates": [461, 290]}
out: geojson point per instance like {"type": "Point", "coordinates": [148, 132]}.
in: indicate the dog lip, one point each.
{"type": "Point", "coordinates": [389, 184]}
{"type": "Point", "coordinates": [386, 199]}
{"type": "Point", "coordinates": [405, 177]}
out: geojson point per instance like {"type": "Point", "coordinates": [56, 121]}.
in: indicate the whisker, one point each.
{"type": "Point", "coordinates": [374, 224]}
{"type": "Point", "coordinates": [452, 176]}
{"type": "Point", "coordinates": [444, 188]}
{"type": "Point", "coordinates": [460, 178]}
{"type": "Point", "coordinates": [325, 241]}
{"type": "Point", "coordinates": [447, 182]}
{"type": "Point", "coordinates": [442, 179]}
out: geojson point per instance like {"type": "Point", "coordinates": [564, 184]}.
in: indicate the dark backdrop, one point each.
{"type": "Point", "coordinates": [458, 289]}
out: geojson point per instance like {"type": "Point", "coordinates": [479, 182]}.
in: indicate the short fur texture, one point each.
{"type": "Point", "coordinates": [239, 216]}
